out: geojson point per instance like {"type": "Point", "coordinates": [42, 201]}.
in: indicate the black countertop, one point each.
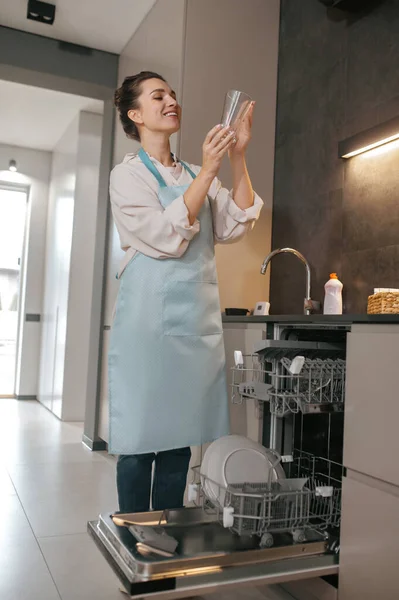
{"type": "Point", "coordinates": [318, 319]}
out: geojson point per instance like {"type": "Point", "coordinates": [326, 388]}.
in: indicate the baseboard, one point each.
{"type": "Point", "coordinates": [94, 445]}
{"type": "Point", "coordinates": [21, 397]}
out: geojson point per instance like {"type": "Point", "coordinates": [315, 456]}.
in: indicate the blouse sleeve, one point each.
{"type": "Point", "coordinates": [230, 223]}
{"type": "Point", "coordinates": [141, 220]}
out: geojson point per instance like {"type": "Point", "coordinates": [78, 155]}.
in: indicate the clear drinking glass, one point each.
{"type": "Point", "coordinates": [236, 106]}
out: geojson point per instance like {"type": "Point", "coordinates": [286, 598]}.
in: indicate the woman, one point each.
{"type": "Point", "coordinates": [167, 387]}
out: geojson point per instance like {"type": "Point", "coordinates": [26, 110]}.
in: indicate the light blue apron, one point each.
{"type": "Point", "coordinates": [167, 384]}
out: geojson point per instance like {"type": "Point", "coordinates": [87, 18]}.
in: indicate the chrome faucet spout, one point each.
{"type": "Point", "coordinates": [265, 264]}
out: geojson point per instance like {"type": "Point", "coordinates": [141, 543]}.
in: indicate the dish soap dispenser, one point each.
{"type": "Point", "coordinates": [333, 296]}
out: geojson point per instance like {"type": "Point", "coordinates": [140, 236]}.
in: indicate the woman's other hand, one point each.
{"type": "Point", "coordinates": [217, 143]}
{"type": "Point", "coordinates": [243, 134]}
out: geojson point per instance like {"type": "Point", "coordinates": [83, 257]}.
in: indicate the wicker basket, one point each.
{"type": "Point", "coordinates": [383, 303]}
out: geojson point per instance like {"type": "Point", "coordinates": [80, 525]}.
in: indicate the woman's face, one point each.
{"type": "Point", "coordinates": [158, 108]}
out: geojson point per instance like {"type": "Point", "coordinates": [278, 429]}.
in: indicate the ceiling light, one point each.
{"type": "Point", "coordinates": [369, 139]}
{"type": "Point", "coordinates": [44, 12]}
{"type": "Point", "coordinates": [12, 165]}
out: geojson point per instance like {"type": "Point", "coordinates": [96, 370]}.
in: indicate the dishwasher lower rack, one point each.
{"type": "Point", "coordinates": [300, 385]}
{"type": "Point", "coordinates": [300, 505]}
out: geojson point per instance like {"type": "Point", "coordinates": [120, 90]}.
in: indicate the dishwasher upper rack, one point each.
{"type": "Point", "coordinates": [318, 386]}
{"type": "Point", "coordinates": [249, 377]}
{"type": "Point", "coordinates": [307, 503]}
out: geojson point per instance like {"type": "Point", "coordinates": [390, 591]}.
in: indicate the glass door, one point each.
{"type": "Point", "coordinates": [13, 204]}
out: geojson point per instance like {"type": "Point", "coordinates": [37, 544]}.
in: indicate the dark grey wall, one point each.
{"type": "Point", "coordinates": [335, 79]}
{"type": "Point", "coordinates": [37, 53]}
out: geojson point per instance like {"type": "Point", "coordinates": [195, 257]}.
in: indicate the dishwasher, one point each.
{"type": "Point", "coordinates": [273, 532]}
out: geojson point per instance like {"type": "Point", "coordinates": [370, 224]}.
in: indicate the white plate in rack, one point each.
{"type": "Point", "coordinates": [237, 459]}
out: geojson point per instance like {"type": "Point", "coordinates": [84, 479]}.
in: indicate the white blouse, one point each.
{"type": "Point", "coordinates": [145, 226]}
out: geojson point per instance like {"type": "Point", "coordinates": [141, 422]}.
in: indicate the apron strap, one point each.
{"type": "Point", "coordinates": [152, 168]}
{"type": "Point", "coordinates": [193, 175]}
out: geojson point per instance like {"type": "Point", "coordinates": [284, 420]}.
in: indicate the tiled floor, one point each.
{"type": "Point", "coordinates": [50, 486]}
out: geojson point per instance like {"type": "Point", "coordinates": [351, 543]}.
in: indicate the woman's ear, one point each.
{"type": "Point", "coordinates": [135, 116]}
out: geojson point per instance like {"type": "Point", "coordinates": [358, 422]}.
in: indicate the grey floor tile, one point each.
{"type": "Point", "coordinates": [6, 485]}
{"type": "Point", "coordinates": [24, 574]}
{"type": "Point", "coordinates": [62, 503]}
{"type": "Point", "coordinates": [38, 480]}
{"type": "Point", "coordinates": [79, 570]}
{"type": "Point", "coordinates": [65, 515]}
{"type": "Point", "coordinates": [57, 452]}
{"type": "Point", "coordinates": [14, 524]}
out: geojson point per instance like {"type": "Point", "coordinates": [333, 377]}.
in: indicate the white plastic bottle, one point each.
{"type": "Point", "coordinates": [333, 296]}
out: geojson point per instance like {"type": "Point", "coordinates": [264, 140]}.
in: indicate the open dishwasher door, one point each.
{"type": "Point", "coordinates": [208, 557]}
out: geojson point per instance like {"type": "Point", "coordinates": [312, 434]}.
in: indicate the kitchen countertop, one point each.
{"type": "Point", "coordinates": [332, 319]}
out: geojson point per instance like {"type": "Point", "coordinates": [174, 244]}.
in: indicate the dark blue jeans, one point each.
{"type": "Point", "coordinates": [133, 478]}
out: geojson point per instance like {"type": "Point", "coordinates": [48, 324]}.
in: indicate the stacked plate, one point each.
{"type": "Point", "coordinates": [236, 459]}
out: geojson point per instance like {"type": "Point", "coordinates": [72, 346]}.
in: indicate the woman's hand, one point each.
{"type": "Point", "coordinates": [218, 141]}
{"type": "Point", "coordinates": [243, 134]}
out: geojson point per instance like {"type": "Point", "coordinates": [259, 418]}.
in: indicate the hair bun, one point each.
{"type": "Point", "coordinates": [126, 97]}
{"type": "Point", "coordinates": [117, 97]}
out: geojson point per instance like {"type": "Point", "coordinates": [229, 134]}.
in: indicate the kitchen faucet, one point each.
{"type": "Point", "coordinates": [309, 304]}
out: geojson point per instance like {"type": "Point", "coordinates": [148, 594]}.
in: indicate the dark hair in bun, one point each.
{"type": "Point", "coordinates": [126, 98]}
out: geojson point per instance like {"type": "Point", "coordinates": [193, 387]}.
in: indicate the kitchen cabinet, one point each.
{"type": "Point", "coordinates": [369, 541]}
{"type": "Point", "coordinates": [371, 441]}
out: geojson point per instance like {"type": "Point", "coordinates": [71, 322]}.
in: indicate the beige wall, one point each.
{"type": "Point", "coordinates": [234, 44]}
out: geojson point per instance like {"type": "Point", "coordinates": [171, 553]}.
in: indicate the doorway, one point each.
{"type": "Point", "coordinates": [13, 205]}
